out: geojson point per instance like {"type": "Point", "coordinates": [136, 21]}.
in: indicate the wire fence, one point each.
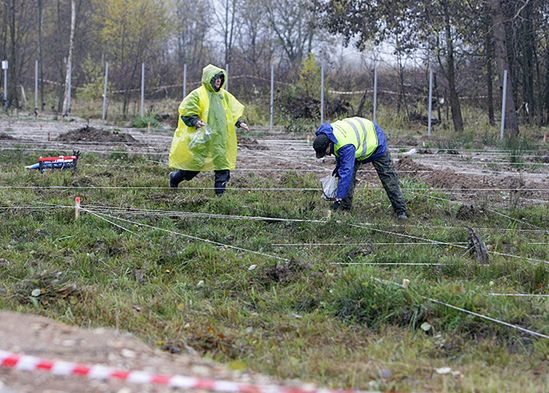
{"type": "Point", "coordinates": [418, 95]}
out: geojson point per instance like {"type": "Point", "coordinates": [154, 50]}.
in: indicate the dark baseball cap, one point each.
{"type": "Point", "coordinates": [320, 144]}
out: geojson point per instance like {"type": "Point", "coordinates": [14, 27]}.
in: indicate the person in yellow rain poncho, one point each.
{"type": "Point", "coordinates": [205, 138]}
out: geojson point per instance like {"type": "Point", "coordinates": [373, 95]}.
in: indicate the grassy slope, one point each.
{"type": "Point", "coordinates": [308, 319]}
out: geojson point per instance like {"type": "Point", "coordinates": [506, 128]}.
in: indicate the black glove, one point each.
{"type": "Point", "coordinates": [336, 205]}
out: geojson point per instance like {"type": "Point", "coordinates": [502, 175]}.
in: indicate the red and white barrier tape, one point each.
{"type": "Point", "coordinates": [31, 363]}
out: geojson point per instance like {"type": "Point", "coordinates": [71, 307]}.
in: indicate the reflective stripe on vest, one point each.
{"type": "Point", "coordinates": [358, 132]}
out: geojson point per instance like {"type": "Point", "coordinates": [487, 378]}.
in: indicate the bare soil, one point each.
{"type": "Point", "coordinates": [251, 143]}
{"type": "Point", "coordinates": [5, 136]}
{"type": "Point", "coordinates": [47, 339]}
{"type": "Point", "coordinates": [92, 134]}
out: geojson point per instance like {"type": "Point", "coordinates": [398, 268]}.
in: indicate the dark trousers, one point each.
{"type": "Point", "coordinates": [389, 178]}
{"type": "Point", "coordinates": [220, 183]}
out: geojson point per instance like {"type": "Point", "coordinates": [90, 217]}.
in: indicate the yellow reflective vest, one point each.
{"type": "Point", "coordinates": [358, 132]}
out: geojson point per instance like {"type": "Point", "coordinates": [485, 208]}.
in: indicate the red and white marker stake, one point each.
{"type": "Point", "coordinates": [77, 208]}
{"type": "Point", "coordinates": [31, 363]}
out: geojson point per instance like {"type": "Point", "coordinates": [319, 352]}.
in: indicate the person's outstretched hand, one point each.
{"type": "Point", "coordinates": [200, 124]}
{"type": "Point", "coordinates": [245, 126]}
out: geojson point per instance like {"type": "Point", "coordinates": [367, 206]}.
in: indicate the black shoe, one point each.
{"type": "Point", "coordinates": [402, 216]}
{"type": "Point", "coordinates": [173, 180]}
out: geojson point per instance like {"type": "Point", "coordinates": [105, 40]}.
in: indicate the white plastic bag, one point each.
{"type": "Point", "coordinates": [200, 136]}
{"type": "Point", "coordinates": [329, 187]}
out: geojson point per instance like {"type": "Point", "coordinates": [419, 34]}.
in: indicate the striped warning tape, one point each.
{"type": "Point", "coordinates": [31, 363]}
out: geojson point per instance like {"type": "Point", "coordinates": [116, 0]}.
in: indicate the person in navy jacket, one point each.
{"type": "Point", "coordinates": [354, 142]}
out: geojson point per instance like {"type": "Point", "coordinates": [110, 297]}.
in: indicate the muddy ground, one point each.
{"type": "Point", "coordinates": [41, 337]}
{"type": "Point", "coordinates": [92, 134]}
{"type": "Point", "coordinates": [460, 173]}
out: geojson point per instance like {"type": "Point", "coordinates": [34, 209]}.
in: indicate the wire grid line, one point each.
{"type": "Point", "coordinates": [153, 212]}
{"type": "Point", "coordinates": [531, 332]}
{"type": "Point", "coordinates": [366, 226]}
{"type": "Point", "coordinates": [223, 244]}
{"type": "Point", "coordinates": [301, 159]}
{"type": "Point", "coordinates": [519, 294]}
{"type": "Point", "coordinates": [297, 189]}
{"type": "Point", "coordinates": [109, 221]}
{"type": "Point", "coordinates": [495, 212]}
{"type": "Point", "coordinates": [370, 226]}
{"type": "Point", "coordinates": [196, 238]}
{"type": "Point", "coordinates": [449, 244]}
{"type": "Point", "coordinates": [167, 136]}
{"type": "Point", "coordinates": [378, 244]}
{"type": "Point", "coordinates": [388, 263]}
{"type": "Point", "coordinates": [150, 163]}
{"type": "Point", "coordinates": [486, 317]}
{"type": "Point", "coordinates": [156, 212]}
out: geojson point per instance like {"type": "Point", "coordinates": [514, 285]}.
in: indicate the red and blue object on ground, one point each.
{"type": "Point", "coordinates": [59, 162]}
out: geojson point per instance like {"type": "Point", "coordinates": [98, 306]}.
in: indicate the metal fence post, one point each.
{"type": "Point", "coordinates": [36, 87]}
{"type": "Point", "coordinates": [142, 106]}
{"type": "Point", "coordinates": [430, 104]}
{"type": "Point", "coordinates": [322, 93]}
{"type": "Point", "coordinates": [5, 68]}
{"type": "Point", "coordinates": [271, 121]}
{"type": "Point", "coordinates": [375, 91]}
{"type": "Point", "coordinates": [503, 106]}
{"type": "Point", "coordinates": [227, 81]}
{"type": "Point", "coordinates": [69, 91]}
{"type": "Point", "coordinates": [184, 80]}
{"type": "Point", "coordinates": [105, 91]}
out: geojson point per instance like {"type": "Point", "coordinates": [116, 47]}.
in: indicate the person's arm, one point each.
{"type": "Point", "coordinates": [190, 121]}
{"type": "Point", "coordinates": [189, 110]}
{"type": "Point", "coordinates": [346, 170]}
{"type": "Point", "coordinates": [241, 124]}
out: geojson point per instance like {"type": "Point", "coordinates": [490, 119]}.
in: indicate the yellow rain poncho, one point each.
{"type": "Point", "coordinates": [212, 147]}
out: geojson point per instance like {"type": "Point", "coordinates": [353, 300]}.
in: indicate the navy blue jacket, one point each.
{"type": "Point", "coordinates": [345, 163]}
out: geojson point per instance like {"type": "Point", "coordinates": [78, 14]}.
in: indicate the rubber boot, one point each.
{"type": "Point", "coordinates": [221, 180]}
{"type": "Point", "coordinates": [177, 177]}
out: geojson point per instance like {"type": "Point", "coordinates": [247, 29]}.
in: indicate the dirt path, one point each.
{"type": "Point", "coordinates": [44, 338]}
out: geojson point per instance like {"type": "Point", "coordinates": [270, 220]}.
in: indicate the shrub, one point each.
{"type": "Point", "coordinates": [145, 122]}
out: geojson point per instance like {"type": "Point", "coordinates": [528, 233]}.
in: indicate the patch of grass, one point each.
{"type": "Point", "coordinates": [300, 315]}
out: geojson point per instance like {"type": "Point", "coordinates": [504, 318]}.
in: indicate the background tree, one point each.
{"type": "Point", "coordinates": [131, 33]}
{"type": "Point", "coordinates": [68, 80]}
{"type": "Point", "coordinates": [502, 56]}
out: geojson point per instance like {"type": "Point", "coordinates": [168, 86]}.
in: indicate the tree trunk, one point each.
{"type": "Point", "coordinates": [59, 61]}
{"type": "Point", "coordinates": [489, 53]}
{"type": "Point", "coordinates": [546, 89]}
{"type": "Point", "coordinates": [67, 99]}
{"type": "Point", "coordinates": [13, 97]}
{"type": "Point", "coordinates": [454, 98]}
{"type": "Point", "coordinates": [527, 52]}
{"type": "Point", "coordinates": [360, 108]}
{"type": "Point", "coordinates": [511, 123]}
{"type": "Point", "coordinates": [4, 32]}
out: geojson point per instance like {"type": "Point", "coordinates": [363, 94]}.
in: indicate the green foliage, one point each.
{"type": "Point", "coordinates": [309, 84]}
{"type": "Point", "coordinates": [360, 299]}
{"type": "Point", "coordinates": [303, 317]}
{"type": "Point", "coordinates": [148, 121]}
{"type": "Point", "coordinates": [92, 90]}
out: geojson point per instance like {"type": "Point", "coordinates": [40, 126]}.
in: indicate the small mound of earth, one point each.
{"type": "Point", "coordinates": [409, 165]}
{"type": "Point", "coordinates": [91, 134]}
{"type": "Point", "coordinates": [468, 212]}
{"type": "Point", "coordinates": [250, 143]}
{"type": "Point", "coordinates": [5, 136]}
{"type": "Point", "coordinates": [447, 178]}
